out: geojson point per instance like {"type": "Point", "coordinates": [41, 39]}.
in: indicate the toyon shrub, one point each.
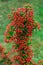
{"type": "Point", "coordinates": [19, 32]}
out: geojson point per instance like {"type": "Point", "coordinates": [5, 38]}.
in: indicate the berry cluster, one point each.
{"type": "Point", "coordinates": [19, 31]}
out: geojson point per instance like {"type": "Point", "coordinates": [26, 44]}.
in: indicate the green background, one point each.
{"type": "Point", "coordinates": [37, 38]}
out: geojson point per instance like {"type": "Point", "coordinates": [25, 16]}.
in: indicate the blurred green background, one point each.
{"type": "Point", "coordinates": [37, 38]}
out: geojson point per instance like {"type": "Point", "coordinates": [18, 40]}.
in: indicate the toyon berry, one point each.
{"type": "Point", "coordinates": [19, 31]}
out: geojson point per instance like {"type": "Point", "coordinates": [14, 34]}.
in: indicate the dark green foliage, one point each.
{"type": "Point", "coordinates": [12, 28]}
{"type": "Point", "coordinates": [4, 0]}
{"type": "Point", "coordinates": [24, 1]}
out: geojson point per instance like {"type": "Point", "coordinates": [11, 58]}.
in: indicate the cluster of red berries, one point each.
{"type": "Point", "coordinates": [19, 31]}
{"type": "Point", "coordinates": [3, 57]}
{"type": "Point", "coordinates": [2, 51]}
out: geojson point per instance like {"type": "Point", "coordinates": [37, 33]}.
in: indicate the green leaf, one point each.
{"type": "Point", "coordinates": [8, 37]}
{"type": "Point", "coordinates": [25, 56]}
{"type": "Point", "coordinates": [17, 45]}
{"type": "Point", "coordinates": [12, 28]}
{"type": "Point", "coordinates": [11, 33]}
{"type": "Point", "coordinates": [25, 22]}
{"type": "Point", "coordinates": [29, 42]}
{"type": "Point", "coordinates": [21, 13]}
{"type": "Point", "coordinates": [23, 51]}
